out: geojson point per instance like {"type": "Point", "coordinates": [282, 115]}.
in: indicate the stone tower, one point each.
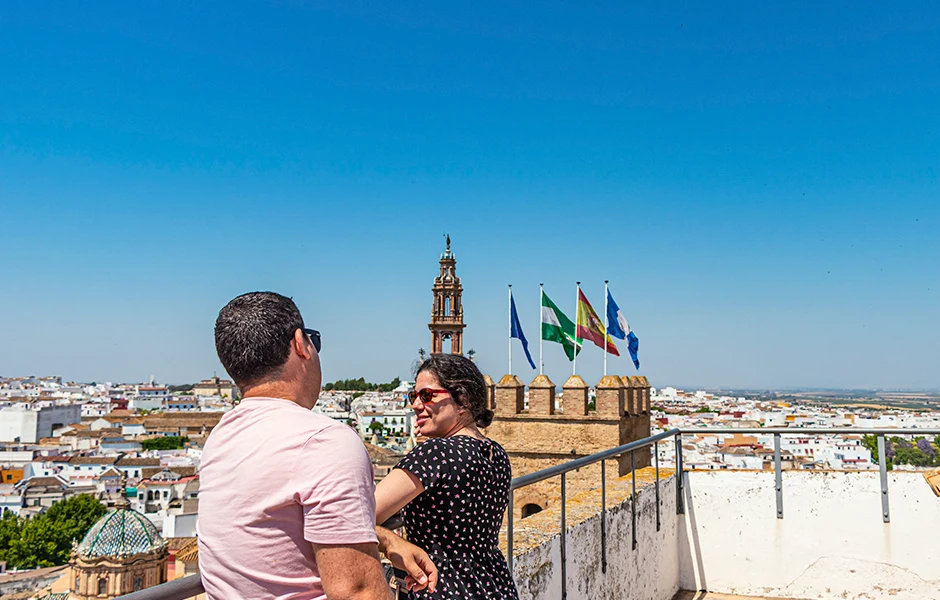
{"type": "Point", "coordinates": [447, 312]}
{"type": "Point", "coordinates": [539, 434]}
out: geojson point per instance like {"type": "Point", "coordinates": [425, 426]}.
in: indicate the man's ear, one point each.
{"type": "Point", "coordinates": [302, 345]}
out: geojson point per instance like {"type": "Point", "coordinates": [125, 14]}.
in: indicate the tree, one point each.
{"type": "Point", "coordinates": [361, 385]}
{"type": "Point", "coordinates": [10, 527]}
{"type": "Point", "coordinates": [900, 451]}
{"type": "Point", "coordinates": [387, 387]}
{"type": "Point", "coordinates": [169, 442]}
{"type": "Point", "coordinates": [46, 540]}
{"type": "Point", "coordinates": [376, 427]}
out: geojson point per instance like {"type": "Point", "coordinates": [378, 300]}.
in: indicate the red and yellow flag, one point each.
{"type": "Point", "coordinates": [590, 326]}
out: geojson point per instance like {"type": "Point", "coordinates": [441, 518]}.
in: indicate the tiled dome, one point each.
{"type": "Point", "coordinates": [121, 532]}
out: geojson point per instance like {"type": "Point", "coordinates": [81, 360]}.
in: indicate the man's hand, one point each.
{"type": "Point", "coordinates": [422, 573]}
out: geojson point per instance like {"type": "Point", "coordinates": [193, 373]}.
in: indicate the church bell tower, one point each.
{"type": "Point", "coordinates": [447, 312]}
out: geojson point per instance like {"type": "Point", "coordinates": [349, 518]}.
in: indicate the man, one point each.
{"type": "Point", "coordinates": [286, 500]}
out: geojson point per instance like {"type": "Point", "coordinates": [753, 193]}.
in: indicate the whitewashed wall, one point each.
{"type": "Point", "coordinates": [651, 572]}
{"type": "Point", "coordinates": [831, 543]}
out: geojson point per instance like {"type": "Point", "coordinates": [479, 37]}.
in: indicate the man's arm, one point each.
{"type": "Point", "coordinates": [351, 572]}
{"type": "Point", "coordinates": [422, 573]}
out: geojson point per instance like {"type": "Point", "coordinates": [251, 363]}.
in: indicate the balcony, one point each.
{"type": "Point", "coordinates": [779, 534]}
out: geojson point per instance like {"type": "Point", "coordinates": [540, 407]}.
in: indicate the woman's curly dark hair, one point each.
{"type": "Point", "coordinates": [462, 378]}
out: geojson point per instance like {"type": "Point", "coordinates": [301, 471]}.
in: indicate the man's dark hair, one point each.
{"type": "Point", "coordinates": [253, 335]}
{"type": "Point", "coordinates": [461, 377]}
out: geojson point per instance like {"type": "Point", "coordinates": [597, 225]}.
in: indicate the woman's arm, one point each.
{"type": "Point", "coordinates": [395, 491]}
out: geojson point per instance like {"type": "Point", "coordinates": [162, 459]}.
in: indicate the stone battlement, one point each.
{"type": "Point", "coordinates": [548, 432]}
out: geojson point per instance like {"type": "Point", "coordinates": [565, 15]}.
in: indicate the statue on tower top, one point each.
{"type": "Point", "coordinates": [447, 253]}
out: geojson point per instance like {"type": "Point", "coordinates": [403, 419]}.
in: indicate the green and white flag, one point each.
{"type": "Point", "coordinates": [556, 327]}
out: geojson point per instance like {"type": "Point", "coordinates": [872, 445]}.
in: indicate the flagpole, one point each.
{"type": "Point", "coordinates": [577, 315]}
{"type": "Point", "coordinates": [606, 325]}
{"type": "Point", "coordinates": [541, 299]}
{"type": "Point", "coordinates": [510, 329]}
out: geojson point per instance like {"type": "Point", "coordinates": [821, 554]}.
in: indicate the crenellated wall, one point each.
{"type": "Point", "coordinates": [538, 436]}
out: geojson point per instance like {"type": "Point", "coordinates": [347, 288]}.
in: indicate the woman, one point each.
{"type": "Point", "coordinates": [454, 488]}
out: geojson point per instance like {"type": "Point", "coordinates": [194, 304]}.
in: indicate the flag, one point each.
{"type": "Point", "coordinates": [515, 329]}
{"type": "Point", "coordinates": [556, 327]}
{"type": "Point", "coordinates": [590, 326]}
{"type": "Point", "coordinates": [618, 327]}
{"type": "Point", "coordinates": [633, 345]}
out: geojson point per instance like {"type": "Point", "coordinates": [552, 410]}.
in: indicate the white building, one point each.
{"type": "Point", "coordinates": [10, 499]}
{"type": "Point", "coordinates": [395, 422]}
{"type": "Point", "coordinates": [149, 397]}
{"type": "Point", "coordinates": [28, 423]}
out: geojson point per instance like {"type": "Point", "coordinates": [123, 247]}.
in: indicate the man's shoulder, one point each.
{"type": "Point", "coordinates": [331, 431]}
{"type": "Point", "coordinates": [289, 419]}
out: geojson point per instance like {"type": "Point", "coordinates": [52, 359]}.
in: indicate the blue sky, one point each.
{"type": "Point", "coordinates": [759, 184]}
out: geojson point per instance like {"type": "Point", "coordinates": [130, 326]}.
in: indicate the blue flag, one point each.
{"type": "Point", "coordinates": [633, 345]}
{"type": "Point", "coordinates": [618, 327]}
{"type": "Point", "coordinates": [515, 329]}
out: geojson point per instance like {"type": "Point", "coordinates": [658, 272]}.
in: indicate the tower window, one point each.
{"type": "Point", "coordinates": [102, 586]}
{"type": "Point", "coordinates": [138, 583]}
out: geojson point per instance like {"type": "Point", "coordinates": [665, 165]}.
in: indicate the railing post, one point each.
{"type": "Point", "coordinates": [603, 516]}
{"type": "Point", "coordinates": [633, 502]}
{"type": "Point", "coordinates": [883, 471]}
{"type": "Point", "coordinates": [564, 534]}
{"type": "Point", "coordinates": [656, 454]}
{"type": "Point", "coordinates": [509, 533]}
{"type": "Point", "coordinates": [680, 499]}
{"type": "Point", "coordinates": [778, 475]}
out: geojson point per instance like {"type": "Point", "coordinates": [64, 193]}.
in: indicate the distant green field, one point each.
{"type": "Point", "coordinates": [917, 405]}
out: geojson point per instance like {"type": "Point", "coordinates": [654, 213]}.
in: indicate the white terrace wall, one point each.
{"type": "Point", "coordinates": [831, 543]}
{"type": "Point", "coordinates": [651, 572]}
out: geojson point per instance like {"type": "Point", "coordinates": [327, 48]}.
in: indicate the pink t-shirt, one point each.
{"type": "Point", "coordinates": [275, 477]}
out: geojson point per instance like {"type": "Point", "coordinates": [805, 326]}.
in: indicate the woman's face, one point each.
{"type": "Point", "coordinates": [439, 417]}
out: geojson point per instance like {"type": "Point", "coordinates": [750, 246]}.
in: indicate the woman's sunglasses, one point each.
{"type": "Point", "coordinates": [426, 396]}
{"type": "Point", "coordinates": [314, 337]}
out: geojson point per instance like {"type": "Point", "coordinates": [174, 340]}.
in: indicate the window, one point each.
{"type": "Point", "coordinates": [530, 509]}
{"type": "Point", "coordinates": [138, 583]}
{"type": "Point", "coordinates": [102, 586]}
{"type": "Point", "coordinates": [166, 494]}
{"type": "Point", "coordinates": [78, 583]}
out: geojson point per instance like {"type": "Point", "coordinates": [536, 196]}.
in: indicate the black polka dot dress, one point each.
{"type": "Point", "coordinates": [458, 516]}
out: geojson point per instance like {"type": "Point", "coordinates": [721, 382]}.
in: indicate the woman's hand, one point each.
{"type": "Point", "coordinates": [422, 572]}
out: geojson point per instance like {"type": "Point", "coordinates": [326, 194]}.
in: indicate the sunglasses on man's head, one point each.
{"type": "Point", "coordinates": [314, 337]}
{"type": "Point", "coordinates": [426, 396]}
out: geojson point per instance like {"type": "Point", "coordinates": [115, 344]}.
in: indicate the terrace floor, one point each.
{"type": "Point", "coordinates": [683, 595]}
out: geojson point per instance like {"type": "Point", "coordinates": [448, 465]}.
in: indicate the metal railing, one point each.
{"type": "Point", "coordinates": [178, 589]}
{"type": "Point", "coordinates": [563, 469]}
{"type": "Point", "coordinates": [190, 586]}
{"type": "Point", "coordinates": [777, 432]}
